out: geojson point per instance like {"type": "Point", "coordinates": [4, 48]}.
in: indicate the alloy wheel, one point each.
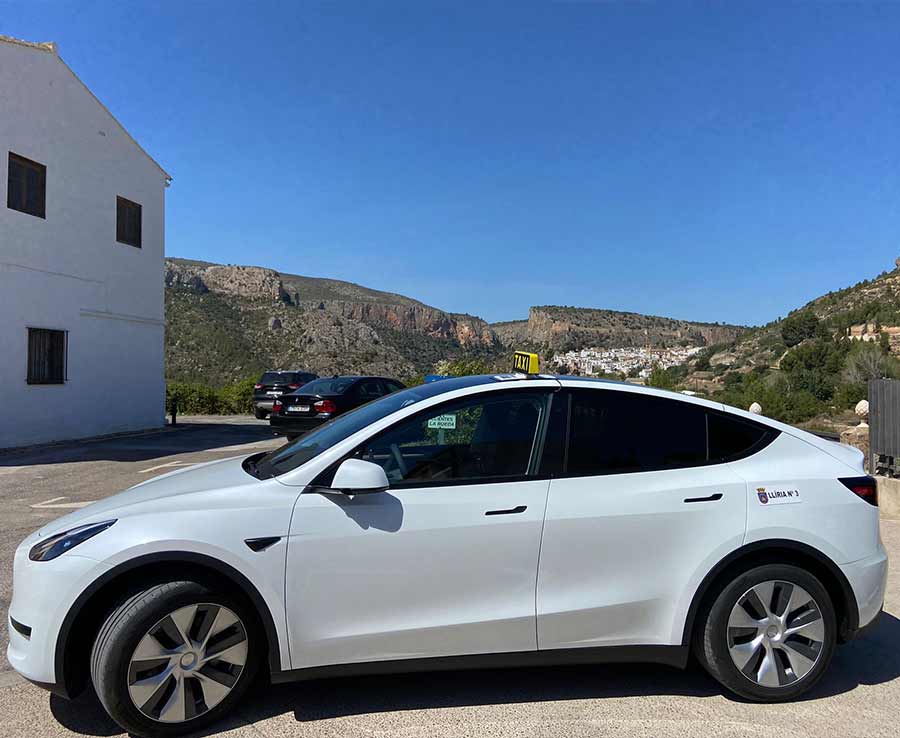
{"type": "Point", "coordinates": [187, 663]}
{"type": "Point", "coordinates": [775, 633]}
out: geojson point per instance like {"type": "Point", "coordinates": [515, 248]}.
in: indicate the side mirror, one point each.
{"type": "Point", "coordinates": [357, 477]}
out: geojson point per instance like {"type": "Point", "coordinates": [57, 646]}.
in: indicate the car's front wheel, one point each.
{"type": "Point", "coordinates": [770, 633]}
{"type": "Point", "coordinates": [174, 658]}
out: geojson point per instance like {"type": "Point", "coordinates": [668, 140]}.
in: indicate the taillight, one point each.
{"type": "Point", "coordinates": [257, 386]}
{"type": "Point", "coordinates": [276, 406]}
{"type": "Point", "coordinates": [863, 487]}
{"type": "Point", "coordinates": [325, 406]}
{"type": "Point", "coordinates": [294, 386]}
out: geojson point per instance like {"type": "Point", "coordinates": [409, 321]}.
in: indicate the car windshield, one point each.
{"type": "Point", "coordinates": [307, 447]}
{"type": "Point", "coordinates": [333, 386]}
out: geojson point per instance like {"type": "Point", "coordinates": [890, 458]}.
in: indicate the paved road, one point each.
{"type": "Point", "coordinates": [860, 696]}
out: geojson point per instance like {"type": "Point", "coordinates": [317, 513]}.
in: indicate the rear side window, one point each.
{"type": "Point", "coordinates": [333, 386]}
{"type": "Point", "coordinates": [369, 389]}
{"type": "Point", "coordinates": [732, 437]}
{"type": "Point", "coordinates": [614, 432]}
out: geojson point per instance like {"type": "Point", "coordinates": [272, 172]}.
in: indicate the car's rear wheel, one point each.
{"type": "Point", "coordinates": [174, 658]}
{"type": "Point", "coordinates": [260, 413]}
{"type": "Point", "coordinates": [770, 633]}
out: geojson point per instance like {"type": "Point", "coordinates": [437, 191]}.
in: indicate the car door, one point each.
{"type": "Point", "coordinates": [445, 561]}
{"type": "Point", "coordinates": [636, 513]}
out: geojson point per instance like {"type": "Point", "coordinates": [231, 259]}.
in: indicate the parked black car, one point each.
{"type": "Point", "coordinates": [319, 401]}
{"type": "Point", "coordinates": [274, 384]}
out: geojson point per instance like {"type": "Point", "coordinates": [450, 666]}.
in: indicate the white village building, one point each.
{"type": "Point", "coordinates": [82, 233]}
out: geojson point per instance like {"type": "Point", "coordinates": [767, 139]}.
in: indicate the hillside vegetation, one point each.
{"type": "Point", "coordinates": [814, 363]}
{"type": "Point", "coordinates": [227, 323]}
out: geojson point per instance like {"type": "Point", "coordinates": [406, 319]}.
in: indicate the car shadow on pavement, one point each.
{"type": "Point", "coordinates": [872, 659]}
{"type": "Point", "coordinates": [189, 437]}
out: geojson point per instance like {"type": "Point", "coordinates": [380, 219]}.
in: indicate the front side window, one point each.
{"type": "Point", "coordinates": [128, 222]}
{"type": "Point", "coordinates": [613, 432]}
{"type": "Point", "coordinates": [307, 447]}
{"type": "Point", "coordinates": [488, 437]}
{"type": "Point", "coordinates": [47, 351]}
{"type": "Point", "coordinates": [26, 189]}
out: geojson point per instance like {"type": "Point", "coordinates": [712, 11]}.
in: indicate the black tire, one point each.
{"type": "Point", "coordinates": [260, 413]}
{"type": "Point", "coordinates": [130, 622]}
{"type": "Point", "coordinates": [711, 644]}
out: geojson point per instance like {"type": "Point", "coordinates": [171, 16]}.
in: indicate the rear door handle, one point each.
{"type": "Point", "coordinates": [511, 511]}
{"type": "Point", "coordinates": [711, 498]}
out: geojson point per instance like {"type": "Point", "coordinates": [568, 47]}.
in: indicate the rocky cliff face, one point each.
{"type": "Point", "coordinates": [565, 328]}
{"type": "Point", "coordinates": [244, 281]}
{"type": "Point", "coordinates": [417, 318]}
{"type": "Point", "coordinates": [227, 322]}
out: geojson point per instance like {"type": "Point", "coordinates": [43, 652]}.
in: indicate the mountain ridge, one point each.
{"type": "Point", "coordinates": [229, 321]}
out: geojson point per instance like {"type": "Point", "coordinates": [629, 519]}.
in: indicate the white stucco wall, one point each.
{"type": "Point", "coordinates": [67, 271]}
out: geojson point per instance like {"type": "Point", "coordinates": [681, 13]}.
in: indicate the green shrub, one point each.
{"type": "Point", "coordinates": [799, 327]}
{"type": "Point", "coordinates": [237, 398]}
{"type": "Point", "coordinates": [195, 398]}
{"type": "Point", "coordinates": [848, 394]}
{"type": "Point", "coordinates": [661, 379]}
{"type": "Point", "coordinates": [192, 398]}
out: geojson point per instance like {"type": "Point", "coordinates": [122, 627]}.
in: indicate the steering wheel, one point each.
{"type": "Point", "coordinates": [398, 459]}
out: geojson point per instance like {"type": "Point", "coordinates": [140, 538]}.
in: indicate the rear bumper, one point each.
{"type": "Point", "coordinates": [286, 425]}
{"type": "Point", "coordinates": [263, 404]}
{"type": "Point", "coordinates": [868, 580]}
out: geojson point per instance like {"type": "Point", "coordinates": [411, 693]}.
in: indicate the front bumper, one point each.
{"type": "Point", "coordinates": [868, 580]}
{"type": "Point", "coordinates": [43, 594]}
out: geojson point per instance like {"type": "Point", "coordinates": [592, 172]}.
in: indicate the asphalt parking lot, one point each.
{"type": "Point", "coordinates": [859, 696]}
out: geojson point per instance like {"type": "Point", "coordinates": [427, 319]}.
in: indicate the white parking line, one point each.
{"type": "Point", "coordinates": [166, 466]}
{"type": "Point", "coordinates": [55, 503]}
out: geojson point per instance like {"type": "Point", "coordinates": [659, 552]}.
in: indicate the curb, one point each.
{"type": "Point", "coordinates": [12, 450]}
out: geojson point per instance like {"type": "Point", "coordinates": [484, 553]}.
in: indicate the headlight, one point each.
{"type": "Point", "coordinates": [60, 543]}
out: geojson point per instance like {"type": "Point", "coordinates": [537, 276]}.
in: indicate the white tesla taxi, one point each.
{"type": "Point", "coordinates": [471, 522]}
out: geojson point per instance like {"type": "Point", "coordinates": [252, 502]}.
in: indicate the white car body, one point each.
{"type": "Point", "coordinates": [409, 577]}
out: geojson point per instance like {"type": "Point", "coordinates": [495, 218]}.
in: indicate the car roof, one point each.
{"type": "Point", "coordinates": [288, 371]}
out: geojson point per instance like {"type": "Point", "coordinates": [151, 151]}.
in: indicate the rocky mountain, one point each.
{"type": "Point", "coordinates": [228, 322]}
{"type": "Point", "coordinates": [570, 328]}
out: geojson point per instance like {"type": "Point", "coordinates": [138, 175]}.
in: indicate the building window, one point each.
{"type": "Point", "coordinates": [27, 186]}
{"type": "Point", "coordinates": [128, 222]}
{"type": "Point", "coordinates": [47, 351]}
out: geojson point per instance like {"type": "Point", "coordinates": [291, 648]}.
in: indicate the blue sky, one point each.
{"type": "Point", "coordinates": [708, 161]}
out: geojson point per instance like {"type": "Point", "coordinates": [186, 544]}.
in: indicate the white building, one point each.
{"type": "Point", "coordinates": [82, 227]}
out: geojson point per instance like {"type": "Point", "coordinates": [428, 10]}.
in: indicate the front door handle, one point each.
{"type": "Point", "coordinates": [511, 511]}
{"type": "Point", "coordinates": [711, 498]}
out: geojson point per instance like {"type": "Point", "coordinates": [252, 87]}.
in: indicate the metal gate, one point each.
{"type": "Point", "coordinates": [884, 426]}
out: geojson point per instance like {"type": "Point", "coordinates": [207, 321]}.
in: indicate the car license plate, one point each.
{"type": "Point", "coordinates": [274, 394]}
{"type": "Point", "coordinates": [297, 408]}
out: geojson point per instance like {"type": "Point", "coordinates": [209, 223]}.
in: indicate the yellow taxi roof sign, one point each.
{"type": "Point", "coordinates": [525, 362]}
